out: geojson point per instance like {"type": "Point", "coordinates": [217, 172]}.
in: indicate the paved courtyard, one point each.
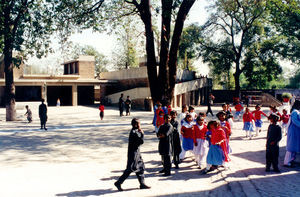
{"type": "Point", "coordinates": [82, 156]}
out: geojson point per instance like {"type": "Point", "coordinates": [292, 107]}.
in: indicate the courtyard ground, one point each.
{"type": "Point", "coordinates": [80, 155]}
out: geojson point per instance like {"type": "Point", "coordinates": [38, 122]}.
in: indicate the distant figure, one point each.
{"type": "Point", "coordinates": [28, 114]}
{"type": "Point", "coordinates": [134, 162]}
{"type": "Point", "coordinates": [58, 103]}
{"type": "Point", "coordinates": [121, 105]}
{"type": "Point", "coordinates": [101, 108]}
{"type": "Point", "coordinates": [247, 100]}
{"type": "Point", "coordinates": [210, 102]}
{"type": "Point", "coordinates": [128, 105]}
{"type": "Point", "coordinates": [273, 138]}
{"type": "Point", "coordinates": [43, 114]}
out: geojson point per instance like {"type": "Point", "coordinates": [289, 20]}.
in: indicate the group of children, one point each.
{"type": "Point", "coordinates": [189, 132]}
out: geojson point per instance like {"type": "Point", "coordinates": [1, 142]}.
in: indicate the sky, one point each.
{"type": "Point", "coordinates": [105, 43]}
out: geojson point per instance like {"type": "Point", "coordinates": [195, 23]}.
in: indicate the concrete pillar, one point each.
{"type": "Point", "coordinates": [179, 101]}
{"type": "Point", "coordinates": [74, 95]}
{"type": "Point", "coordinates": [174, 102]}
{"type": "Point", "coordinates": [44, 92]}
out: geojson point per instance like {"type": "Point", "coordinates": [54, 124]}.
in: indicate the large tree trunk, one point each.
{"type": "Point", "coordinates": [9, 86]}
{"type": "Point", "coordinates": [163, 75]}
{"type": "Point", "coordinates": [237, 79]}
{"type": "Point", "coordinates": [145, 14]}
{"type": "Point", "coordinates": [182, 13]}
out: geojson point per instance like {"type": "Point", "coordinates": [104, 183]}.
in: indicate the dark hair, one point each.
{"type": "Point", "coordinates": [258, 105]}
{"type": "Point", "coordinates": [191, 108]}
{"type": "Point", "coordinates": [224, 104]}
{"type": "Point", "coordinates": [274, 117]}
{"type": "Point", "coordinates": [221, 113]}
{"type": "Point", "coordinates": [202, 114]}
{"type": "Point", "coordinates": [212, 122]}
{"type": "Point", "coordinates": [134, 121]}
{"type": "Point", "coordinates": [187, 116]}
{"type": "Point", "coordinates": [26, 106]}
{"type": "Point", "coordinates": [173, 113]}
{"type": "Point", "coordinates": [43, 100]}
{"type": "Point", "coordinates": [199, 118]}
{"type": "Point", "coordinates": [160, 112]}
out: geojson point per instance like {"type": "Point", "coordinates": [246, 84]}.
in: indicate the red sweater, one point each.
{"type": "Point", "coordinates": [238, 107]}
{"type": "Point", "coordinates": [217, 136]}
{"type": "Point", "coordinates": [257, 114]}
{"type": "Point", "coordinates": [187, 130]}
{"type": "Point", "coordinates": [248, 117]}
{"type": "Point", "coordinates": [160, 121]}
{"type": "Point", "coordinates": [285, 118]}
{"type": "Point", "coordinates": [101, 108]}
{"type": "Point", "coordinates": [199, 133]}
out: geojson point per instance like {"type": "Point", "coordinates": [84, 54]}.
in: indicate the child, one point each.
{"type": "Point", "coordinates": [155, 107]}
{"type": "Point", "coordinates": [128, 105]}
{"type": "Point", "coordinates": [101, 108]}
{"type": "Point", "coordinates": [238, 111]}
{"type": "Point", "coordinates": [135, 162]}
{"type": "Point", "coordinates": [164, 147]}
{"type": "Point", "coordinates": [257, 115]}
{"type": "Point", "coordinates": [201, 144]}
{"type": "Point", "coordinates": [159, 120]}
{"type": "Point", "coordinates": [28, 114]}
{"type": "Point", "coordinates": [169, 107]}
{"type": "Point", "coordinates": [228, 114]}
{"type": "Point", "coordinates": [181, 116]}
{"type": "Point", "coordinates": [176, 146]}
{"type": "Point", "coordinates": [192, 113]}
{"type": "Point", "coordinates": [226, 127]}
{"type": "Point", "coordinates": [285, 120]}
{"type": "Point", "coordinates": [248, 124]}
{"type": "Point", "coordinates": [217, 153]}
{"type": "Point", "coordinates": [187, 131]}
{"type": "Point", "coordinates": [273, 138]}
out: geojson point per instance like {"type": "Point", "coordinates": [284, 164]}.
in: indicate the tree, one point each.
{"type": "Point", "coordinates": [25, 27]}
{"type": "Point", "coordinates": [95, 13]}
{"type": "Point", "coordinates": [237, 26]}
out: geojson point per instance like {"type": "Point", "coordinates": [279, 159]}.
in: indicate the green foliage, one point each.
{"type": "Point", "coordinates": [295, 81]}
{"type": "Point", "coordinates": [100, 60]}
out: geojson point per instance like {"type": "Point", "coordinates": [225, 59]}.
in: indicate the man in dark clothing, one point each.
{"type": "Point", "coordinates": [43, 114]}
{"type": "Point", "coordinates": [165, 147]}
{"type": "Point", "coordinates": [176, 145]}
{"type": "Point", "coordinates": [210, 102]}
{"type": "Point", "coordinates": [128, 105]}
{"type": "Point", "coordinates": [273, 138]}
{"type": "Point", "coordinates": [135, 162]}
{"type": "Point", "coordinates": [121, 105]}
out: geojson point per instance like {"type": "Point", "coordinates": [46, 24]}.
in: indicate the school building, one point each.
{"type": "Point", "coordinates": [75, 87]}
{"type": "Point", "coordinates": [79, 86]}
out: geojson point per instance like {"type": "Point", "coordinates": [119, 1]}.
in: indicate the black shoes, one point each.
{"type": "Point", "coordinates": [118, 186]}
{"type": "Point", "coordinates": [167, 174]}
{"type": "Point", "coordinates": [143, 186]}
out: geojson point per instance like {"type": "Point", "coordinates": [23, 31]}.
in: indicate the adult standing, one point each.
{"type": "Point", "coordinates": [43, 114]}
{"type": "Point", "coordinates": [293, 135]}
{"type": "Point", "coordinates": [128, 105]}
{"type": "Point", "coordinates": [121, 105]}
{"type": "Point", "coordinates": [210, 102]}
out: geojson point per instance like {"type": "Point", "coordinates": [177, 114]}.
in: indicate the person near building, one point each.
{"type": "Point", "coordinates": [101, 109]}
{"type": "Point", "coordinates": [28, 114]}
{"type": "Point", "coordinates": [43, 114]}
{"type": "Point", "coordinates": [121, 105]}
{"type": "Point", "coordinates": [128, 106]}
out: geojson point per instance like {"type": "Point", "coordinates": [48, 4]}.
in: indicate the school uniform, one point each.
{"type": "Point", "coordinates": [200, 151]}
{"type": "Point", "coordinates": [285, 120]}
{"type": "Point", "coordinates": [227, 129]}
{"type": "Point", "coordinates": [165, 146]}
{"type": "Point", "coordinates": [134, 162]}
{"type": "Point", "coordinates": [248, 125]}
{"type": "Point", "coordinates": [257, 115]}
{"type": "Point", "coordinates": [272, 151]}
{"type": "Point", "coordinates": [238, 110]}
{"type": "Point", "coordinates": [176, 145]}
{"type": "Point", "coordinates": [187, 138]}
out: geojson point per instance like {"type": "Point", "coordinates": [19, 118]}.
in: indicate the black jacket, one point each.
{"type": "Point", "coordinates": [274, 134]}
{"type": "Point", "coordinates": [176, 146]}
{"type": "Point", "coordinates": [165, 143]}
{"type": "Point", "coordinates": [135, 161]}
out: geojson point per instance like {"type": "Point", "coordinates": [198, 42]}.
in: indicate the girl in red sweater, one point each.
{"type": "Point", "coordinates": [248, 119]}
{"type": "Point", "coordinates": [200, 142]}
{"type": "Point", "coordinates": [187, 131]}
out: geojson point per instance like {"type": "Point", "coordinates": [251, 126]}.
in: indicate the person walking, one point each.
{"type": "Point", "coordinates": [128, 106]}
{"type": "Point", "coordinates": [134, 162]}
{"type": "Point", "coordinates": [28, 114]}
{"type": "Point", "coordinates": [121, 105]}
{"type": "Point", "coordinates": [43, 114]}
{"type": "Point", "coordinates": [210, 102]}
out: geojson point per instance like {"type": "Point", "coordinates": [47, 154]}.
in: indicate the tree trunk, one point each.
{"type": "Point", "coordinates": [145, 14]}
{"type": "Point", "coordinates": [237, 79]}
{"type": "Point", "coordinates": [181, 16]}
{"type": "Point", "coordinates": [163, 76]}
{"type": "Point", "coordinates": [9, 85]}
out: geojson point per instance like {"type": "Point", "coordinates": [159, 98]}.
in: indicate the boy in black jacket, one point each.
{"type": "Point", "coordinates": [135, 162]}
{"type": "Point", "coordinates": [273, 138]}
{"type": "Point", "coordinates": [165, 148]}
{"type": "Point", "coordinates": [176, 146]}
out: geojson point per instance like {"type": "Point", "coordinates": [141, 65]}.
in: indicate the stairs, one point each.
{"type": "Point", "coordinates": [259, 97]}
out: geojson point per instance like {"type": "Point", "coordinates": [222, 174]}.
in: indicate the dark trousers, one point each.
{"type": "Point", "coordinates": [166, 163]}
{"type": "Point", "coordinates": [43, 123]}
{"type": "Point", "coordinates": [272, 155]}
{"type": "Point", "coordinates": [176, 159]}
{"type": "Point", "coordinates": [209, 110]}
{"type": "Point", "coordinates": [140, 175]}
{"type": "Point", "coordinates": [121, 111]}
